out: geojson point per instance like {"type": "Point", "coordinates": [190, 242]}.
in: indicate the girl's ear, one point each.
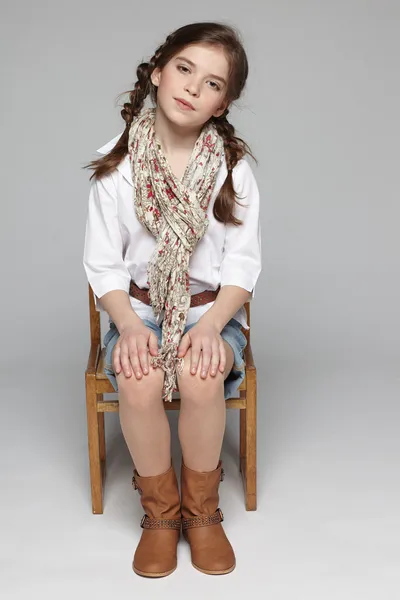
{"type": "Point", "coordinates": [220, 110]}
{"type": "Point", "coordinates": [155, 76]}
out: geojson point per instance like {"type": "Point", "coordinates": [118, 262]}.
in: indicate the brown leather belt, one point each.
{"type": "Point", "coordinates": [195, 300]}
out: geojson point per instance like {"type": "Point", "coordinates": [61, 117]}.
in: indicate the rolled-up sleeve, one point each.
{"type": "Point", "coordinates": [241, 263]}
{"type": "Point", "coordinates": [103, 247]}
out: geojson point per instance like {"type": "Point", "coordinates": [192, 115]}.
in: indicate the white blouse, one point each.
{"type": "Point", "coordinates": [118, 247]}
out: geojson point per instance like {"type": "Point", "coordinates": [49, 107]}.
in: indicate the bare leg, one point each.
{"type": "Point", "coordinates": [144, 423]}
{"type": "Point", "coordinates": [202, 417]}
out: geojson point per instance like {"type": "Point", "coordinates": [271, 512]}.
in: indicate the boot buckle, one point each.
{"type": "Point", "coordinates": [221, 514]}
{"type": "Point", "coordinates": [222, 474]}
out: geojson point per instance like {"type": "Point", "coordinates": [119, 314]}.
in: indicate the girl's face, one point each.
{"type": "Point", "coordinates": [198, 74]}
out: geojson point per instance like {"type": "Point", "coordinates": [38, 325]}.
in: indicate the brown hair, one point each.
{"type": "Point", "coordinates": [215, 34]}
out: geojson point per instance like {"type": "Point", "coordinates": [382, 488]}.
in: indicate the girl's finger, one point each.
{"type": "Point", "coordinates": [206, 358]}
{"type": "Point", "coordinates": [134, 360]}
{"type": "Point", "coordinates": [215, 358]}
{"type": "Point", "coordinates": [116, 359]}
{"type": "Point", "coordinates": [153, 344]}
{"type": "Point", "coordinates": [184, 345]}
{"type": "Point", "coordinates": [124, 358]}
{"type": "Point", "coordinates": [143, 357]}
{"type": "Point", "coordinates": [195, 356]}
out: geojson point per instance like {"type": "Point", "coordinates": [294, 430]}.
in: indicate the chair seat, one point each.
{"type": "Point", "coordinates": [100, 374]}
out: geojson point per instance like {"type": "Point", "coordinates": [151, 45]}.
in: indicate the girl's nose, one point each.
{"type": "Point", "coordinates": [193, 88]}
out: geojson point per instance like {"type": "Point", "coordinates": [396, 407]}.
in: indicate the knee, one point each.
{"type": "Point", "coordinates": [196, 390]}
{"type": "Point", "coordinates": [141, 394]}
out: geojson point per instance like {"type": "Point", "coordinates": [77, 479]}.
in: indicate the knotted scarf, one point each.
{"type": "Point", "coordinates": [175, 212]}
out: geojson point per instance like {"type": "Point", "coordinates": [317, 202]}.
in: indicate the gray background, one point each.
{"type": "Point", "coordinates": [321, 114]}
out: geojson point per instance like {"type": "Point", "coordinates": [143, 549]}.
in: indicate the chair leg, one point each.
{"type": "Point", "coordinates": [248, 443]}
{"type": "Point", "coordinates": [95, 463]}
{"type": "Point", "coordinates": [242, 426]}
{"type": "Point", "coordinates": [102, 442]}
{"type": "Point", "coordinates": [102, 434]}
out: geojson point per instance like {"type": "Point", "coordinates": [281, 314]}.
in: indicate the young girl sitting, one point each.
{"type": "Point", "coordinates": [172, 253]}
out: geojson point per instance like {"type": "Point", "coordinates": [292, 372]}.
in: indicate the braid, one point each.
{"type": "Point", "coordinates": [235, 149]}
{"type": "Point", "coordinates": [142, 87]}
{"type": "Point", "coordinates": [138, 94]}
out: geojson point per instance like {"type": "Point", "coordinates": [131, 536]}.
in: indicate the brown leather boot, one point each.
{"type": "Point", "coordinates": [155, 555]}
{"type": "Point", "coordinates": [201, 521]}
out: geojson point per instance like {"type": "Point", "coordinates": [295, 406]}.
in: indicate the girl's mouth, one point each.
{"type": "Point", "coordinates": [183, 105]}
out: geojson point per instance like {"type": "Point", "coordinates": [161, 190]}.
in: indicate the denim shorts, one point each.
{"type": "Point", "coordinates": [231, 333]}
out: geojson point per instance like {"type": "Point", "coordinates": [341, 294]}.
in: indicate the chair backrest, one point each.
{"type": "Point", "coordinates": [94, 315]}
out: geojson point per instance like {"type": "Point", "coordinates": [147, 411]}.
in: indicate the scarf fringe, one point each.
{"type": "Point", "coordinates": [171, 366]}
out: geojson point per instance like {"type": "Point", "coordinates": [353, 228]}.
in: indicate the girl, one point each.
{"type": "Point", "coordinates": [172, 257]}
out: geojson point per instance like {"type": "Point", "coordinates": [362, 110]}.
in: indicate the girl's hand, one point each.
{"type": "Point", "coordinates": [130, 353]}
{"type": "Point", "coordinates": [204, 337]}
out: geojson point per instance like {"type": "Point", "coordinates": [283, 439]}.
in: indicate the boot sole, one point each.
{"type": "Point", "coordinates": [224, 572]}
{"type": "Point", "coordinates": [145, 574]}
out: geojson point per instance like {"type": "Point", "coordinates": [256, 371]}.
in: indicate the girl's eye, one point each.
{"type": "Point", "coordinates": [214, 86]}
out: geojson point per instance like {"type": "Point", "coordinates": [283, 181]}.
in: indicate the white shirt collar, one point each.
{"type": "Point", "coordinates": [124, 166]}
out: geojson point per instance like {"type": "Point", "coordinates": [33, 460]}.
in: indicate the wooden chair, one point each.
{"type": "Point", "coordinates": [97, 384]}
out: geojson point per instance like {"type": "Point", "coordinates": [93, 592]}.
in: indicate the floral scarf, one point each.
{"type": "Point", "coordinates": [175, 212]}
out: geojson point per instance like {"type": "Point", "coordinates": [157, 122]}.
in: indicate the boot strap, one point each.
{"type": "Point", "coordinates": [148, 523]}
{"type": "Point", "coordinates": [202, 521]}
